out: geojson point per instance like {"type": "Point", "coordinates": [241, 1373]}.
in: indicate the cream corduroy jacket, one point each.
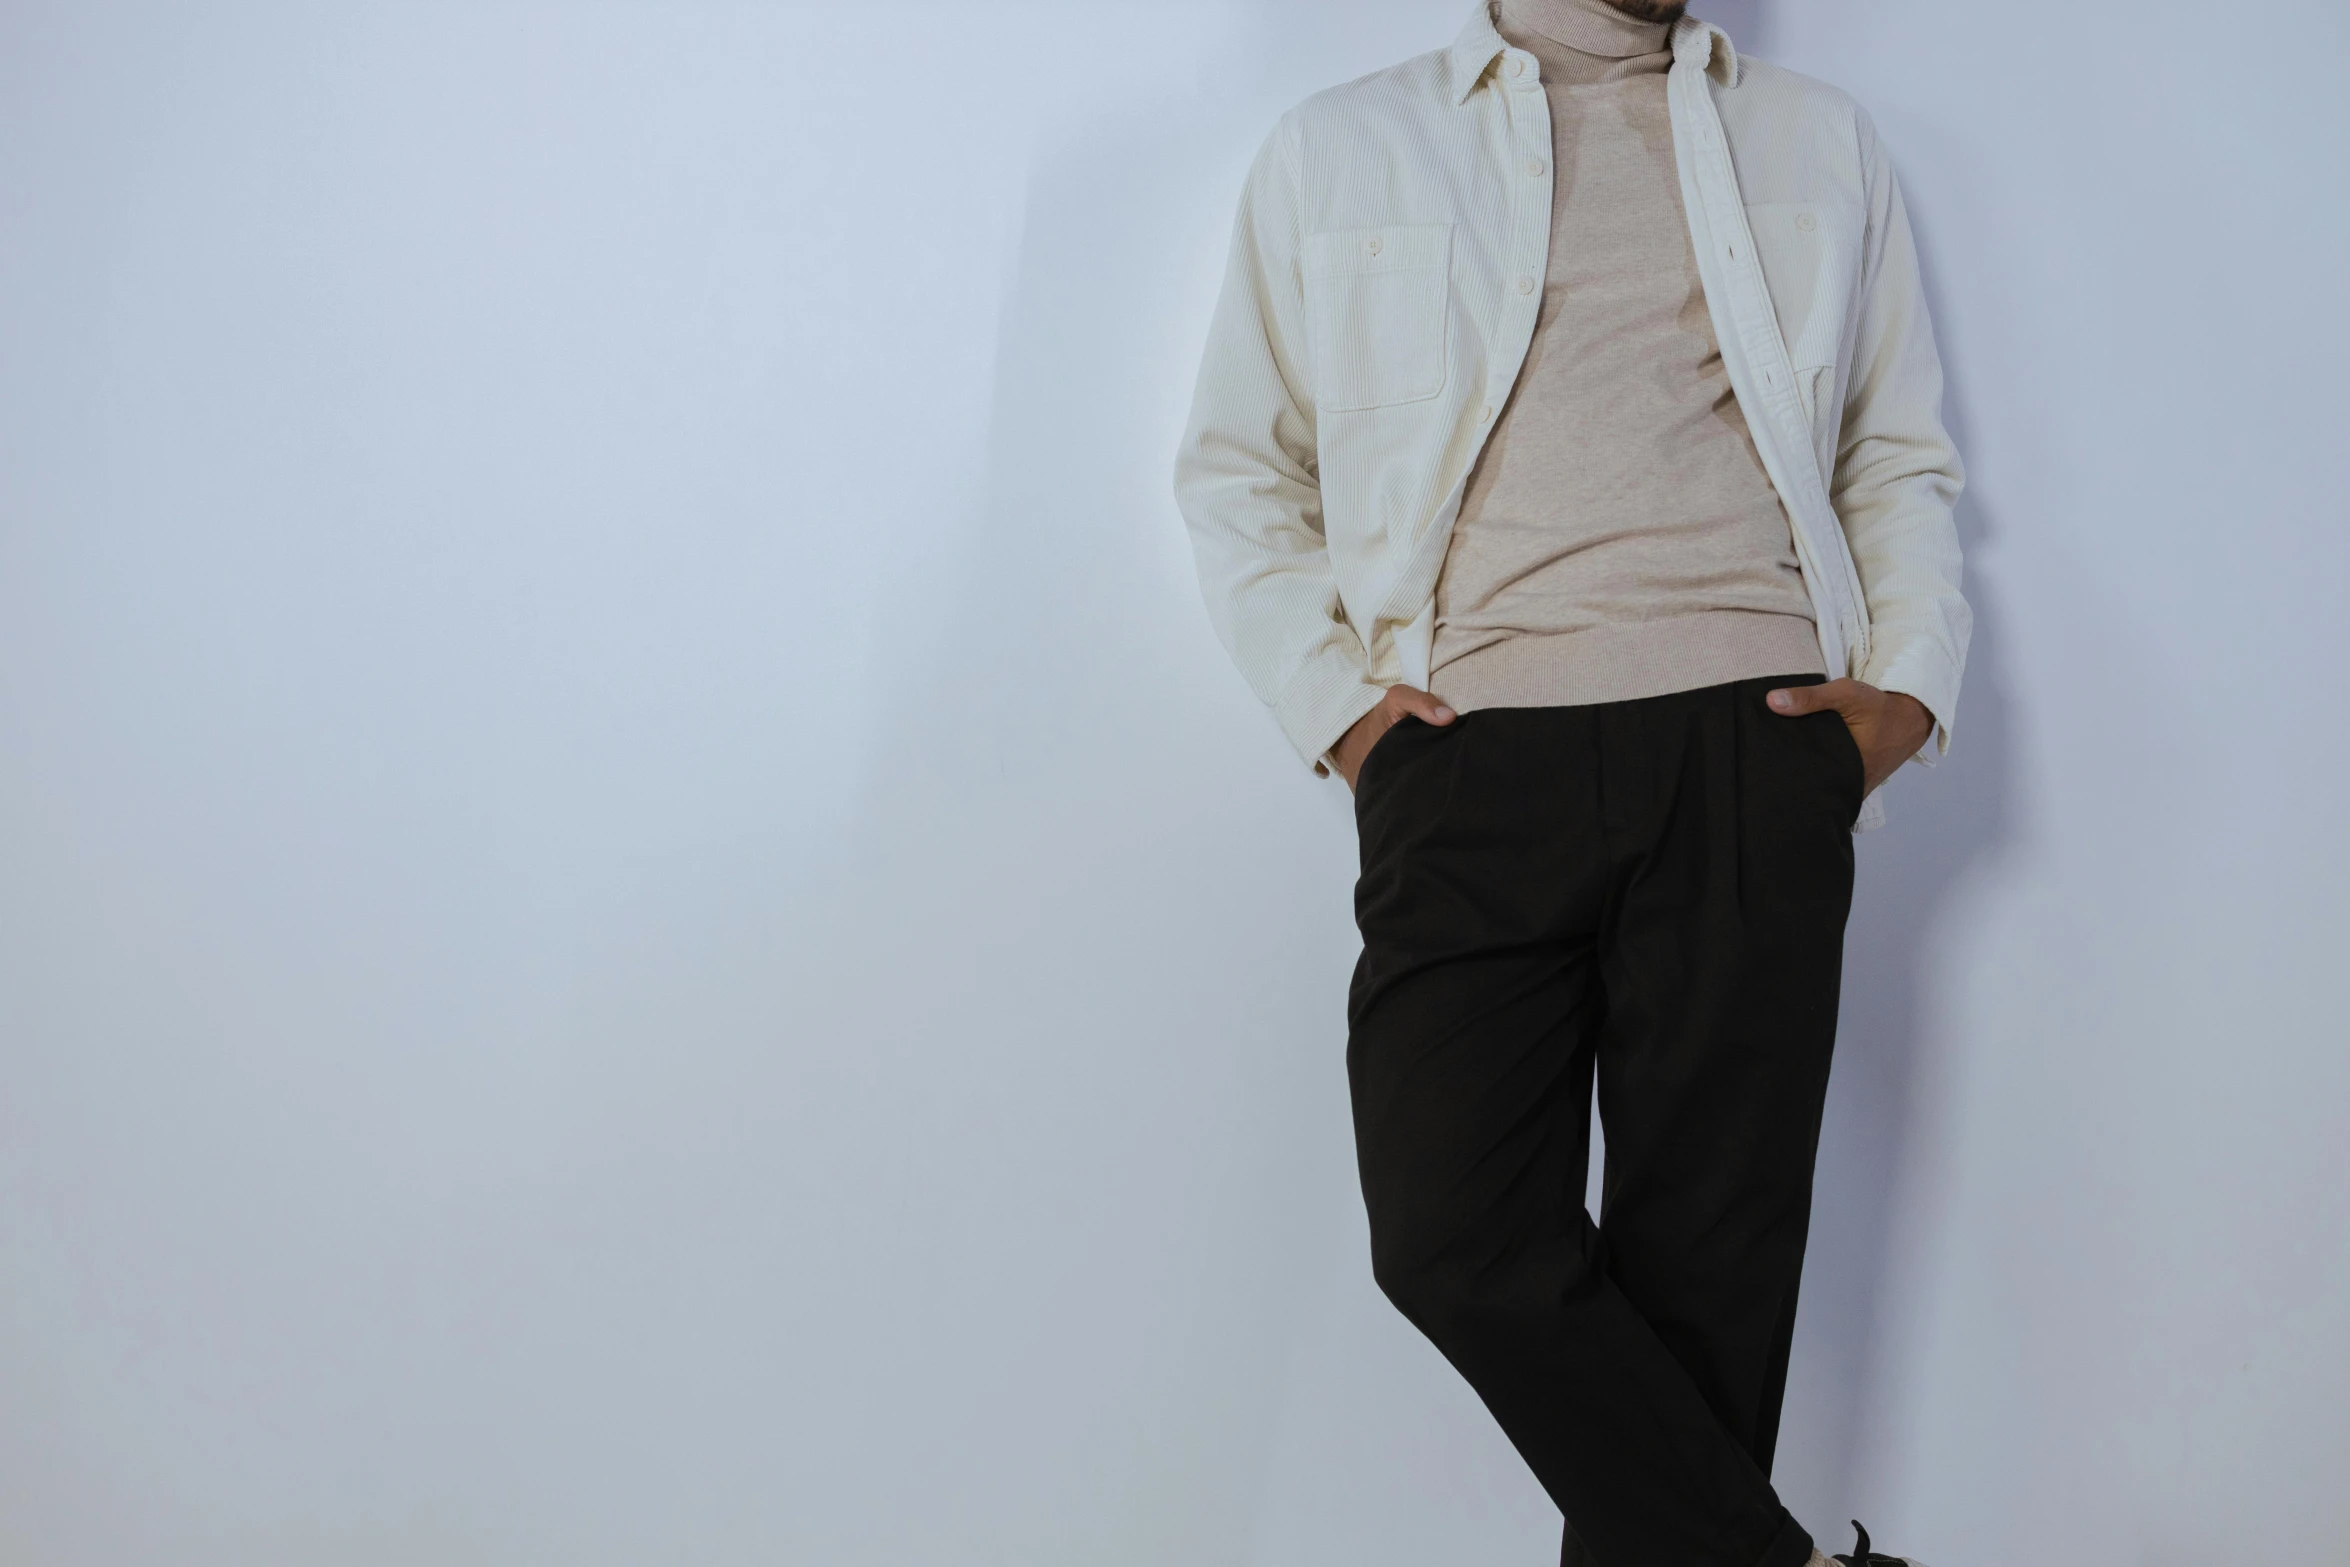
{"type": "Point", "coordinates": [1381, 292]}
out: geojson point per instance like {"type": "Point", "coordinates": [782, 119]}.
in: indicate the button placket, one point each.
{"type": "Point", "coordinates": [1531, 133]}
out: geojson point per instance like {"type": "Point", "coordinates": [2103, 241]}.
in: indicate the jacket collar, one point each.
{"type": "Point", "coordinates": [1472, 54]}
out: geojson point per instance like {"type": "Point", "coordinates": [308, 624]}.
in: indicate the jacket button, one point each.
{"type": "Point", "coordinates": [1526, 284]}
{"type": "Point", "coordinates": [1534, 167]}
{"type": "Point", "coordinates": [1806, 222]}
{"type": "Point", "coordinates": [1514, 66]}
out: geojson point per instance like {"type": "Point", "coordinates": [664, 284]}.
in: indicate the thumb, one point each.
{"type": "Point", "coordinates": [1419, 704]}
{"type": "Point", "coordinates": [1797, 700]}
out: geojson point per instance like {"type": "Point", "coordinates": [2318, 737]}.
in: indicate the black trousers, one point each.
{"type": "Point", "coordinates": [1653, 892]}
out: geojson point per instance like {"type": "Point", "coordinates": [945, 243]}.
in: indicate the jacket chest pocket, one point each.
{"type": "Point", "coordinates": [1809, 252]}
{"type": "Point", "coordinates": [1376, 313]}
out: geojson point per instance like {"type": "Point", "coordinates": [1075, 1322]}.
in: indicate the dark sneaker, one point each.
{"type": "Point", "coordinates": [1862, 1556]}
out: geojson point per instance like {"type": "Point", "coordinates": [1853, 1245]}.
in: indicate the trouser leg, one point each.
{"type": "Point", "coordinates": [1648, 886]}
{"type": "Point", "coordinates": [1722, 977]}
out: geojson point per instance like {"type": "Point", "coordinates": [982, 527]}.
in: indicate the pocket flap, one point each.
{"type": "Point", "coordinates": [1390, 247]}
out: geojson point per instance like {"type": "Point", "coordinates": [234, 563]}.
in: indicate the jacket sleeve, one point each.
{"type": "Point", "coordinates": [1897, 474]}
{"type": "Point", "coordinates": [1247, 480]}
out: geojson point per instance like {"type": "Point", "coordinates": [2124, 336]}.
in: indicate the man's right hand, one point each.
{"type": "Point", "coordinates": [1400, 702]}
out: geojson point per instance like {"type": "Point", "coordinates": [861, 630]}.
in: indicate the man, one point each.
{"type": "Point", "coordinates": [1567, 473]}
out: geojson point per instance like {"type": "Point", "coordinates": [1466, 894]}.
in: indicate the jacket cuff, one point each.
{"type": "Point", "coordinates": [1322, 703]}
{"type": "Point", "coordinates": [1924, 674]}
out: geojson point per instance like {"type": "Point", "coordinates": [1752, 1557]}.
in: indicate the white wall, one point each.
{"type": "Point", "coordinates": [639, 922]}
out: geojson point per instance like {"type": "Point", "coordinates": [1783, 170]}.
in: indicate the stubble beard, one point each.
{"type": "Point", "coordinates": [1651, 10]}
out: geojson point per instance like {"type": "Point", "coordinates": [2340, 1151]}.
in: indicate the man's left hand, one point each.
{"type": "Point", "coordinates": [1888, 726]}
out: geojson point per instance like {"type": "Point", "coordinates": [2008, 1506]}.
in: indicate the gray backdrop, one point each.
{"type": "Point", "coordinates": [639, 922]}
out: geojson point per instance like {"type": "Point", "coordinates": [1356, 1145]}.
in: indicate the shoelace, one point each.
{"type": "Point", "coordinates": [1862, 1556]}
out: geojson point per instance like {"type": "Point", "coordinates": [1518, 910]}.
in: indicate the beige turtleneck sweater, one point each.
{"type": "Point", "coordinates": [1619, 537]}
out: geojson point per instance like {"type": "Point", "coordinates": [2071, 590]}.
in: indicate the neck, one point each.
{"type": "Point", "coordinates": [1593, 26]}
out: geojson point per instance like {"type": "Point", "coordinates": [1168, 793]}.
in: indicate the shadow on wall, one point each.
{"type": "Point", "coordinates": [1112, 970]}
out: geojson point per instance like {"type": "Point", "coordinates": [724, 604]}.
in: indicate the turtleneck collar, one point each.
{"type": "Point", "coordinates": [1592, 26]}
